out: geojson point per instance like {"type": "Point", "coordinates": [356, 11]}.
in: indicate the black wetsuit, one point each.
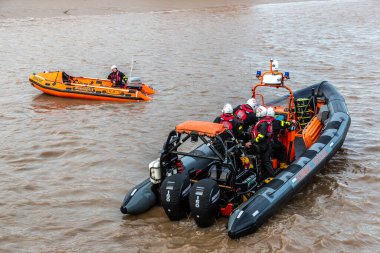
{"type": "Point", "coordinates": [263, 147]}
{"type": "Point", "coordinates": [250, 119]}
{"type": "Point", "coordinates": [231, 123]}
{"type": "Point", "coordinates": [118, 78]}
{"type": "Point", "coordinates": [279, 150]}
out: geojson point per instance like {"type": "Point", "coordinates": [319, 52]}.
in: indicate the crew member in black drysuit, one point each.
{"type": "Point", "coordinates": [117, 77]}
{"type": "Point", "coordinates": [229, 120]}
{"type": "Point", "coordinates": [262, 138]}
{"type": "Point", "coordinates": [278, 149]}
{"type": "Point", "coordinates": [247, 113]}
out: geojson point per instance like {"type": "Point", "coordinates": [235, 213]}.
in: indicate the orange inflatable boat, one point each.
{"type": "Point", "coordinates": [60, 84]}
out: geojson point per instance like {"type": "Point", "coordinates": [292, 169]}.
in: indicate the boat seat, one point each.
{"type": "Point", "coordinates": [323, 113]}
{"type": "Point", "coordinates": [65, 78]}
{"type": "Point", "coordinates": [220, 174]}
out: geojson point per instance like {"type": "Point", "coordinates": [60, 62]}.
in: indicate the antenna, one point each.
{"type": "Point", "coordinates": [250, 70]}
{"type": "Point", "coordinates": [270, 65]}
{"type": "Point", "coordinates": [130, 73]}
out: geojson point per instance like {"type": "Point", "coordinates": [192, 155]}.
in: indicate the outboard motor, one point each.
{"type": "Point", "coordinates": [134, 82]}
{"type": "Point", "coordinates": [204, 202]}
{"type": "Point", "coordinates": [175, 196]}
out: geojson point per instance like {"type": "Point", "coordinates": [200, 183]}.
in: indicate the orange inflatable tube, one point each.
{"type": "Point", "coordinates": [62, 85]}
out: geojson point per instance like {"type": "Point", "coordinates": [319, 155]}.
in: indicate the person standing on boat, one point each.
{"type": "Point", "coordinates": [117, 77]}
{"type": "Point", "coordinates": [246, 113]}
{"type": "Point", "coordinates": [278, 148]}
{"type": "Point", "coordinates": [262, 135]}
{"type": "Point", "coordinates": [228, 119]}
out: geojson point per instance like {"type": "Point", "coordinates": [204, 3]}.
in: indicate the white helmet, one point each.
{"type": "Point", "coordinates": [113, 67]}
{"type": "Point", "coordinates": [274, 65]}
{"type": "Point", "coordinates": [261, 111]}
{"type": "Point", "coordinates": [227, 109]}
{"type": "Point", "coordinates": [252, 103]}
{"type": "Point", "coordinates": [270, 112]}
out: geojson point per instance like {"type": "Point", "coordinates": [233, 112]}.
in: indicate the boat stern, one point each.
{"type": "Point", "coordinates": [147, 89]}
{"type": "Point", "coordinates": [248, 217]}
{"type": "Point", "coordinates": [239, 224]}
{"type": "Point", "coordinates": [140, 199]}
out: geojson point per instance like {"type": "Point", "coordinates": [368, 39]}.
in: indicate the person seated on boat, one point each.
{"type": "Point", "coordinates": [278, 148]}
{"type": "Point", "coordinates": [261, 139]}
{"type": "Point", "coordinates": [246, 113]}
{"type": "Point", "coordinates": [228, 119]}
{"type": "Point", "coordinates": [66, 78]}
{"type": "Point", "coordinates": [117, 77]}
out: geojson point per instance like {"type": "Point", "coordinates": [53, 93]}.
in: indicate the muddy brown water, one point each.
{"type": "Point", "coordinates": [65, 165]}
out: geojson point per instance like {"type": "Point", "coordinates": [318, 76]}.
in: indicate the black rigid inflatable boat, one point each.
{"type": "Point", "coordinates": [322, 124]}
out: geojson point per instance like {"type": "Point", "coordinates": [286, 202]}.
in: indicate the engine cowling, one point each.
{"type": "Point", "coordinates": [204, 202]}
{"type": "Point", "coordinates": [175, 196]}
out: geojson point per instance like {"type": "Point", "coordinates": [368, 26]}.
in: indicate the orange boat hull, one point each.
{"type": "Point", "coordinates": [53, 83]}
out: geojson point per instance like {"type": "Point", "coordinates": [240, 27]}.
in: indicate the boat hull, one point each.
{"type": "Point", "coordinates": [140, 199]}
{"type": "Point", "coordinates": [250, 215]}
{"type": "Point", "coordinates": [87, 88]}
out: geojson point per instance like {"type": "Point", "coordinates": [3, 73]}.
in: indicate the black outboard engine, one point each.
{"type": "Point", "coordinates": [175, 191]}
{"type": "Point", "coordinates": [204, 202]}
